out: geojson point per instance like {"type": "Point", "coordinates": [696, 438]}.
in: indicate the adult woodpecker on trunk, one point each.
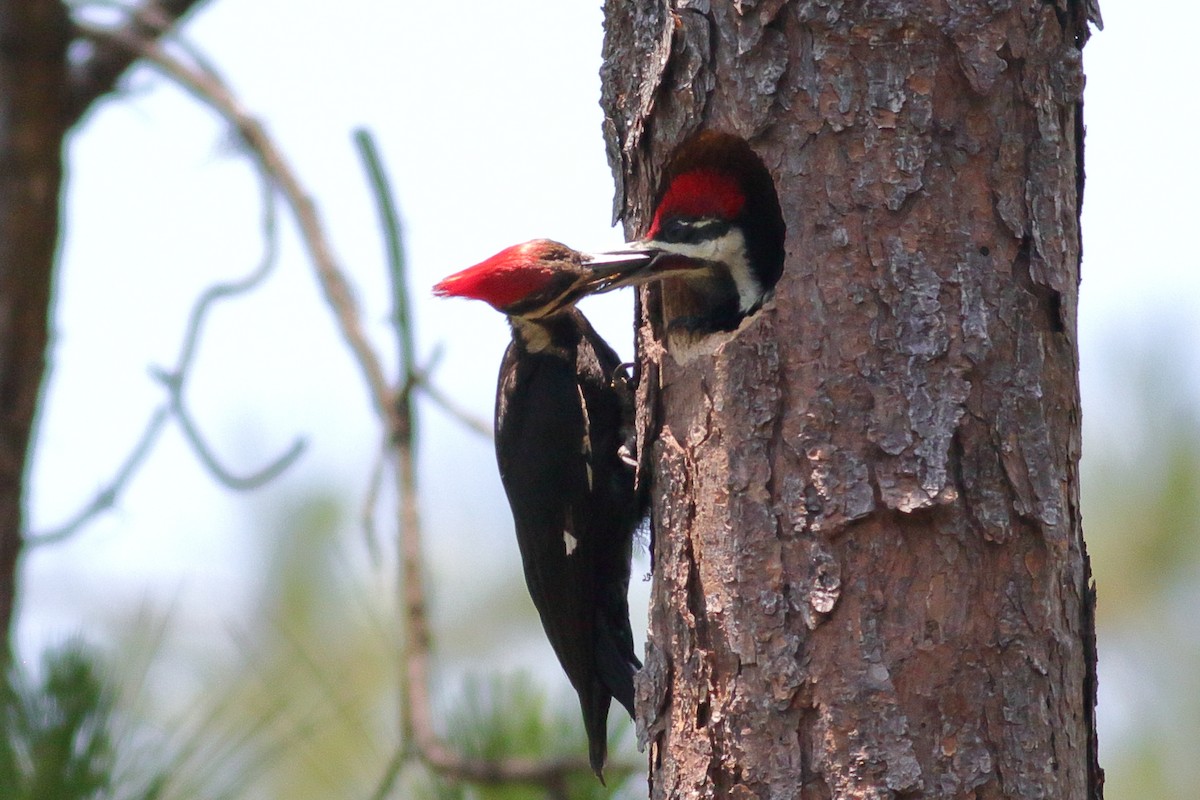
{"type": "Point", "coordinates": [718, 226]}
{"type": "Point", "coordinates": [564, 409]}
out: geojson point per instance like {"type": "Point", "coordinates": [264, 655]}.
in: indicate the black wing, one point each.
{"type": "Point", "coordinates": [559, 424]}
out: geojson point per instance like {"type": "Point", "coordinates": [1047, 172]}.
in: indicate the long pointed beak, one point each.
{"type": "Point", "coordinates": [612, 269]}
{"type": "Point", "coordinates": [636, 263]}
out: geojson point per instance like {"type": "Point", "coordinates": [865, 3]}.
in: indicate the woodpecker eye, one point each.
{"type": "Point", "coordinates": [683, 230]}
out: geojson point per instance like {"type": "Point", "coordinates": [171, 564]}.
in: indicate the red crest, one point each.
{"type": "Point", "coordinates": [700, 193]}
{"type": "Point", "coordinates": [509, 276]}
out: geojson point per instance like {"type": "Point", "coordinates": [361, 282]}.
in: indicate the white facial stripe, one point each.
{"type": "Point", "coordinates": [730, 251]}
{"type": "Point", "coordinates": [586, 445]}
{"type": "Point", "coordinates": [570, 542]}
{"type": "Point", "coordinates": [700, 228]}
{"type": "Point", "coordinates": [534, 335]}
{"type": "Point", "coordinates": [566, 298]}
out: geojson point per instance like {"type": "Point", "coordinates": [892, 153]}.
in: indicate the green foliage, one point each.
{"type": "Point", "coordinates": [304, 707]}
{"type": "Point", "coordinates": [506, 715]}
{"type": "Point", "coordinates": [498, 716]}
{"type": "Point", "coordinates": [56, 738]}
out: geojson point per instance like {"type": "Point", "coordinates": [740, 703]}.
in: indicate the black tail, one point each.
{"type": "Point", "coordinates": [615, 667]}
{"type": "Point", "coordinates": [595, 722]}
{"type": "Point", "coordinates": [615, 660]}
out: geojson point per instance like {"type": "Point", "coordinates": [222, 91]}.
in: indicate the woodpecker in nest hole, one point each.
{"type": "Point", "coordinates": [718, 228]}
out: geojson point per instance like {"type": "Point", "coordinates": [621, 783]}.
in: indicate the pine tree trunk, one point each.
{"type": "Point", "coordinates": [42, 94]}
{"type": "Point", "coordinates": [870, 577]}
{"type": "Point", "coordinates": [33, 122]}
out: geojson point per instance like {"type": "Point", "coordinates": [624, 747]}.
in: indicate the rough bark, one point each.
{"type": "Point", "coordinates": [41, 96]}
{"type": "Point", "coordinates": [870, 574]}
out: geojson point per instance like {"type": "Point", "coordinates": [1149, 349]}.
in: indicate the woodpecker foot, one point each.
{"type": "Point", "coordinates": [620, 376]}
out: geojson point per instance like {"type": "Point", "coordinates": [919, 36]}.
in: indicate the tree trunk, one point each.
{"type": "Point", "coordinates": [33, 121]}
{"type": "Point", "coordinates": [870, 574]}
{"type": "Point", "coordinates": [41, 95]}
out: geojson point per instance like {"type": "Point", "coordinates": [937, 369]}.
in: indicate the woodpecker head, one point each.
{"type": "Point", "coordinates": [717, 223]}
{"type": "Point", "coordinates": [540, 278]}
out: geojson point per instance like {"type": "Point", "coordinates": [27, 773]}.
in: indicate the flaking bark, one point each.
{"type": "Point", "coordinates": [870, 574]}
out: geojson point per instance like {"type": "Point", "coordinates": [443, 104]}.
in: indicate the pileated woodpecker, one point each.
{"type": "Point", "coordinates": [717, 224]}
{"type": "Point", "coordinates": [563, 411]}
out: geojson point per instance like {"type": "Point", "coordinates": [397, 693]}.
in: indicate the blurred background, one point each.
{"type": "Point", "coordinates": [223, 613]}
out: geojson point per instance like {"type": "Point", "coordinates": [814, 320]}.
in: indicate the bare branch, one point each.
{"type": "Point", "coordinates": [453, 409]}
{"type": "Point", "coordinates": [410, 374]}
{"type": "Point", "coordinates": [414, 686]}
{"type": "Point", "coordinates": [214, 93]}
{"type": "Point", "coordinates": [98, 73]}
{"type": "Point", "coordinates": [417, 716]}
{"type": "Point", "coordinates": [548, 773]}
{"type": "Point", "coordinates": [222, 291]}
{"type": "Point", "coordinates": [389, 218]}
{"type": "Point", "coordinates": [395, 412]}
{"type": "Point", "coordinates": [423, 379]}
{"type": "Point", "coordinates": [174, 380]}
{"type": "Point", "coordinates": [106, 498]}
{"type": "Point", "coordinates": [374, 484]}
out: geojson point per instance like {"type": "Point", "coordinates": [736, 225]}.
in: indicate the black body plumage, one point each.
{"type": "Point", "coordinates": [563, 410]}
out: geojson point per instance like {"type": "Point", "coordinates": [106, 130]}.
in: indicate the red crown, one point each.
{"type": "Point", "coordinates": [509, 276]}
{"type": "Point", "coordinates": [700, 193]}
